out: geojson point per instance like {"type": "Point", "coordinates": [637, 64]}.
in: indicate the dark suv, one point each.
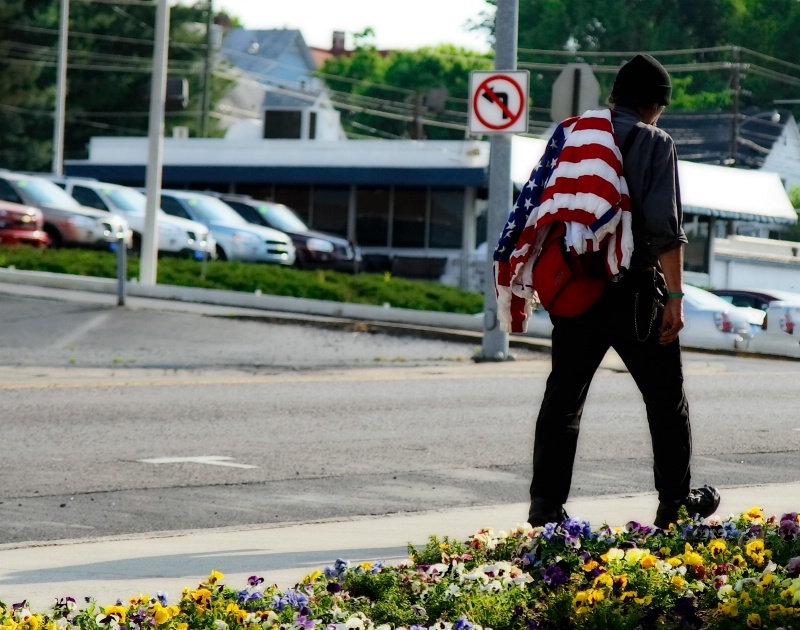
{"type": "Point", "coordinates": [315, 250]}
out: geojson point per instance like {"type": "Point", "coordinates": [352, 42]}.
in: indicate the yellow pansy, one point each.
{"type": "Point", "coordinates": [201, 597]}
{"type": "Point", "coordinates": [717, 547]}
{"type": "Point", "coordinates": [116, 610]}
{"type": "Point", "coordinates": [649, 561]}
{"type": "Point", "coordinates": [643, 601]}
{"type": "Point", "coordinates": [728, 609]}
{"type": "Point", "coordinates": [765, 581]}
{"type": "Point", "coordinates": [183, 626]}
{"type": "Point", "coordinates": [678, 582]}
{"type": "Point", "coordinates": [141, 600]}
{"type": "Point", "coordinates": [604, 579]}
{"type": "Point", "coordinates": [214, 577]}
{"type": "Point", "coordinates": [580, 602]}
{"type": "Point", "coordinates": [591, 565]}
{"type": "Point", "coordinates": [312, 577]}
{"type": "Point", "coordinates": [692, 559]}
{"type": "Point", "coordinates": [755, 549]}
{"type": "Point", "coordinates": [753, 620]}
{"type": "Point", "coordinates": [162, 614]}
{"type": "Point", "coordinates": [738, 561]}
{"type": "Point", "coordinates": [675, 562]}
{"type": "Point", "coordinates": [754, 514]}
{"type": "Point", "coordinates": [368, 565]}
{"type": "Point", "coordinates": [621, 580]}
{"type": "Point", "coordinates": [627, 595]}
{"type": "Point", "coordinates": [633, 556]}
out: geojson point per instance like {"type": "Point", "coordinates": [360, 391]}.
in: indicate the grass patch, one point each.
{"type": "Point", "coordinates": [365, 288]}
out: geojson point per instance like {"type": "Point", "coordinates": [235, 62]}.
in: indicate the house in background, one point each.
{"type": "Point", "coordinates": [276, 87]}
{"type": "Point", "coordinates": [753, 140]}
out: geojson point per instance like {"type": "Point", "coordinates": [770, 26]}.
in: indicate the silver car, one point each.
{"type": "Point", "coordinates": [175, 235]}
{"type": "Point", "coordinates": [66, 222]}
{"type": "Point", "coordinates": [236, 238]}
{"type": "Point", "coordinates": [713, 323]}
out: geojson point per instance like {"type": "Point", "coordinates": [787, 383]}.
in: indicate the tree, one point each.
{"type": "Point", "coordinates": [403, 94]}
{"type": "Point", "coordinates": [108, 78]}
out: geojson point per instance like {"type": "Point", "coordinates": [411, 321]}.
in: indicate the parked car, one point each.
{"type": "Point", "coordinates": [758, 300]}
{"type": "Point", "coordinates": [713, 323]}
{"type": "Point", "coordinates": [314, 249]}
{"type": "Point", "coordinates": [236, 238]}
{"type": "Point", "coordinates": [781, 334]}
{"type": "Point", "coordinates": [22, 225]}
{"type": "Point", "coordinates": [176, 235]}
{"type": "Point", "coordinates": [66, 222]}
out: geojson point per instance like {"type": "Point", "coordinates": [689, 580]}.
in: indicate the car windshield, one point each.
{"type": "Point", "coordinates": [213, 210]}
{"type": "Point", "coordinates": [44, 192]}
{"type": "Point", "coordinates": [705, 300]}
{"type": "Point", "coordinates": [282, 217]}
{"type": "Point", "coordinates": [127, 199]}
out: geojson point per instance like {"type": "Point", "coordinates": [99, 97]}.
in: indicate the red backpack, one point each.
{"type": "Point", "coordinates": [568, 284]}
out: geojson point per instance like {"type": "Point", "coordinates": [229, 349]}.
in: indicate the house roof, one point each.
{"type": "Point", "coordinates": [708, 137]}
{"type": "Point", "coordinates": [262, 51]}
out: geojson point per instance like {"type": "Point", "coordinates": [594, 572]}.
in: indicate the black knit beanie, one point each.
{"type": "Point", "coordinates": [642, 81]}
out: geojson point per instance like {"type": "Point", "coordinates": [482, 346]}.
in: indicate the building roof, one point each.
{"type": "Point", "coordinates": [708, 137]}
{"type": "Point", "coordinates": [707, 190]}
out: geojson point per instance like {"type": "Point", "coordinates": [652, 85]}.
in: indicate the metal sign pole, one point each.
{"type": "Point", "coordinates": [495, 342]}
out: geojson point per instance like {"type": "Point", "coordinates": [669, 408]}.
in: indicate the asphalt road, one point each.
{"type": "Point", "coordinates": [127, 420]}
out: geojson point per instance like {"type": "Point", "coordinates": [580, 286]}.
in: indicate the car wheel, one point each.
{"type": "Point", "coordinates": [54, 235]}
{"type": "Point", "coordinates": [221, 254]}
{"type": "Point", "coordinates": [136, 244]}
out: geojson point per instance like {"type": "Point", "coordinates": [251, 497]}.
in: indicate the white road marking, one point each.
{"type": "Point", "coordinates": [210, 460]}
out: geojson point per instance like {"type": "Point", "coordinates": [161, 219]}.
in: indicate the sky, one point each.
{"type": "Point", "coordinates": [398, 24]}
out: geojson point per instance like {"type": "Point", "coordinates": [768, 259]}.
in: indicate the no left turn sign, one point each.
{"type": "Point", "coordinates": [498, 102]}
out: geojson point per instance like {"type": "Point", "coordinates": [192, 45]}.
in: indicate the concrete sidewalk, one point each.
{"type": "Point", "coordinates": [118, 568]}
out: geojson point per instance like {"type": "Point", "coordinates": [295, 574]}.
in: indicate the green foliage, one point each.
{"type": "Point", "coordinates": [399, 84]}
{"type": "Point", "coordinates": [108, 78]}
{"type": "Point", "coordinates": [374, 289]}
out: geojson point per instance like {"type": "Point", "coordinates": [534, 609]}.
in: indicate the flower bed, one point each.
{"type": "Point", "coordinates": [741, 572]}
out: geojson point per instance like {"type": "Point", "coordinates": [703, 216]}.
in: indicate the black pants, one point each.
{"type": "Point", "coordinates": [620, 320]}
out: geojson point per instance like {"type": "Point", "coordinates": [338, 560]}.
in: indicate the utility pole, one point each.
{"type": "Point", "coordinates": [207, 70]}
{"type": "Point", "coordinates": [495, 341]}
{"type": "Point", "coordinates": [735, 89]}
{"type": "Point", "coordinates": [61, 91]}
{"type": "Point", "coordinates": [155, 146]}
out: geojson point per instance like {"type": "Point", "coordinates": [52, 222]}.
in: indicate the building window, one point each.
{"type": "Point", "coordinates": [410, 210]}
{"type": "Point", "coordinates": [330, 209]}
{"type": "Point", "coordinates": [298, 198]}
{"type": "Point", "coordinates": [695, 253]}
{"type": "Point", "coordinates": [447, 219]}
{"type": "Point", "coordinates": [282, 124]}
{"type": "Point", "coordinates": [372, 216]}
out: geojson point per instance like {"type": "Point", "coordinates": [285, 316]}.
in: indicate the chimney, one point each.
{"type": "Point", "coordinates": [338, 43]}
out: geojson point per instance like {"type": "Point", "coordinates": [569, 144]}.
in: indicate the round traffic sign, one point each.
{"type": "Point", "coordinates": [498, 102]}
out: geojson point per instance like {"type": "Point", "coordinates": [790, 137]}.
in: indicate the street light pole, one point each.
{"type": "Point", "coordinates": [61, 91]}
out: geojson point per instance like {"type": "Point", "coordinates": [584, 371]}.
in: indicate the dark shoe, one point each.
{"type": "Point", "coordinates": [540, 514]}
{"type": "Point", "coordinates": [701, 503]}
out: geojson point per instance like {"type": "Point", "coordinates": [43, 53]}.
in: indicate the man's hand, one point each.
{"type": "Point", "coordinates": [672, 322]}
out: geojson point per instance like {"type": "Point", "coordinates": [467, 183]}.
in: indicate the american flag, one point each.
{"type": "Point", "coordinates": [579, 180]}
